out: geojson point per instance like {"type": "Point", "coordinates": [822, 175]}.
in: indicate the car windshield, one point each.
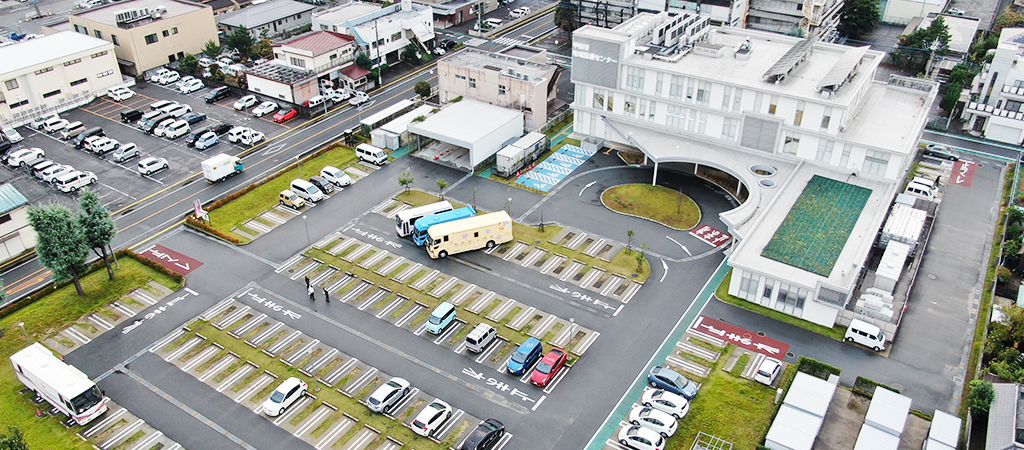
{"type": "Point", "coordinates": [435, 320]}
{"type": "Point", "coordinates": [763, 372]}
{"type": "Point", "coordinates": [283, 112]}
{"type": "Point", "coordinates": [418, 424]}
{"type": "Point", "coordinates": [87, 399]}
{"type": "Point", "coordinates": [544, 368]}
{"type": "Point", "coordinates": [277, 397]}
{"type": "Point", "coordinates": [520, 356]}
{"type": "Point", "coordinates": [374, 401]}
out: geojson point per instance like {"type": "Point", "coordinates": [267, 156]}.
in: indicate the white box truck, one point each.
{"type": "Point", "coordinates": [221, 166]}
{"type": "Point", "coordinates": [62, 386]}
{"type": "Point", "coordinates": [518, 154]}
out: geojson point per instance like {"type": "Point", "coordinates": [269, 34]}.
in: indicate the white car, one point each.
{"type": "Point", "coordinates": [179, 110]}
{"type": "Point", "coordinates": [264, 109]}
{"type": "Point", "coordinates": [41, 120]}
{"type": "Point", "coordinates": [155, 75]}
{"type": "Point", "coordinates": [12, 135]}
{"type": "Point", "coordinates": [73, 181]}
{"type": "Point", "coordinates": [336, 176]}
{"type": "Point", "coordinates": [659, 421]}
{"type": "Point", "coordinates": [287, 393]}
{"type": "Point", "coordinates": [206, 62]}
{"type": "Point", "coordinates": [152, 164]}
{"type": "Point", "coordinates": [956, 11]}
{"type": "Point", "coordinates": [385, 397]}
{"type": "Point", "coordinates": [126, 152]}
{"type": "Point", "coordinates": [431, 418]}
{"type": "Point", "coordinates": [168, 106]}
{"type": "Point", "coordinates": [52, 173]}
{"type": "Point", "coordinates": [667, 402]}
{"type": "Point", "coordinates": [339, 95]}
{"type": "Point", "coordinates": [184, 80]}
{"type": "Point", "coordinates": [358, 98]}
{"type": "Point", "coordinates": [641, 438]}
{"type": "Point", "coordinates": [19, 157]}
{"type": "Point", "coordinates": [191, 86]}
{"type": "Point", "coordinates": [104, 145]}
{"type": "Point", "coordinates": [768, 371]}
{"type": "Point", "coordinates": [224, 62]}
{"type": "Point", "coordinates": [54, 126]}
{"type": "Point", "coordinates": [120, 94]}
{"type": "Point", "coordinates": [168, 78]}
{"type": "Point", "coordinates": [246, 102]}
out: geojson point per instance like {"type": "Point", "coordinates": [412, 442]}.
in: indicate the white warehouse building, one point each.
{"type": "Point", "coordinates": [782, 123]}
{"type": "Point", "coordinates": [55, 72]}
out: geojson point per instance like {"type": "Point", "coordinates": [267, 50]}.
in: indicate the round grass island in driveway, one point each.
{"type": "Point", "coordinates": [660, 204]}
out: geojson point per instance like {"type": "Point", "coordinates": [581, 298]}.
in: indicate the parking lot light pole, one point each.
{"type": "Point", "coordinates": [510, 206]}
{"type": "Point", "coordinates": [22, 325]}
{"type": "Point", "coordinates": [304, 224]}
{"type": "Point", "coordinates": [298, 159]}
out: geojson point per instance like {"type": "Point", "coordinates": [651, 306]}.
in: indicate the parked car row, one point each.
{"type": "Point", "coordinates": [62, 177]}
{"type": "Point", "coordinates": [302, 191]}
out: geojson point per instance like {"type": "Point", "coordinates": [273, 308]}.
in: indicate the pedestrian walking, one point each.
{"type": "Point", "coordinates": [327, 295]}
{"type": "Point", "coordinates": [307, 282]}
{"type": "Point", "coordinates": [310, 290]}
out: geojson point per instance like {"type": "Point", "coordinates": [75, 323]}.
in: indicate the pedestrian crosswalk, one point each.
{"type": "Point", "coordinates": [508, 41]}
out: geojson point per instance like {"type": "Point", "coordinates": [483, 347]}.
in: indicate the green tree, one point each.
{"type": "Point", "coordinates": [641, 256]}
{"type": "Point", "coordinates": [411, 54]}
{"type": "Point", "coordinates": [97, 226]}
{"type": "Point", "coordinates": [60, 243]}
{"type": "Point", "coordinates": [406, 180]}
{"type": "Point", "coordinates": [212, 49]}
{"type": "Point", "coordinates": [979, 399]}
{"type": "Point", "coordinates": [858, 18]}
{"type": "Point", "coordinates": [1011, 249]}
{"type": "Point", "coordinates": [13, 440]}
{"type": "Point", "coordinates": [422, 89]}
{"type": "Point", "coordinates": [441, 184]}
{"type": "Point", "coordinates": [630, 236]}
{"type": "Point", "coordinates": [241, 41]}
{"type": "Point", "coordinates": [951, 96]}
{"type": "Point", "coordinates": [189, 63]}
{"type": "Point", "coordinates": [264, 49]}
{"type": "Point", "coordinates": [567, 16]}
{"type": "Point", "coordinates": [363, 60]}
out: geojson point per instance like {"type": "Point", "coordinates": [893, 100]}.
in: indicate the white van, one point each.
{"type": "Point", "coordinates": [919, 190]}
{"type": "Point", "coordinates": [306, 190]}
{"type": "Point", "coordinates": [932, 184]}
{"type": "Point", "coordinates": [865, 334]}
{"type": "Point", "coordinates": [177, 129]}
{"type": "Point", "coordinates": [74, 181]}
{"type": "Point", "coordinates": [371, 154]}
{"type": "Point", "coordinates": [73, 129]}
{"type": "Point", "coordinates": [55, 124]}
{"type": "Point", "coordinates": [481, 336]}
{"type": "Point", "coordinates": [494, 23]}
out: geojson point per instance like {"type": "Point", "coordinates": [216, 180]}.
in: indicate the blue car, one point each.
{"type": "Point", "coordinates": [525, 356]}
{"type": "Point", "coordinates": [672, 381]}
{"type": "Point", "coordinates": [207, 140]}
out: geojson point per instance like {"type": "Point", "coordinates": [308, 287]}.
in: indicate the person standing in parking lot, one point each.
{"type": "Point", "coordinates": [327, 295]}
{"type": "Point", "coordinates": [310, 290]}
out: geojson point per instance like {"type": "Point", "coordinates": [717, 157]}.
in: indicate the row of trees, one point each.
{"type": "Point", "coordinates": [64, 239]}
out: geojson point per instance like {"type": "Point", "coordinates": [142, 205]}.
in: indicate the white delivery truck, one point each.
{"type": "Point", "coordinates": [221, 166]}
{"type": "Point", "coordinates": [62, 386]}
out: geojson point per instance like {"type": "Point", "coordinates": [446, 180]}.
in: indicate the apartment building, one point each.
{"type": "Point", "coordinates": [996, 107]}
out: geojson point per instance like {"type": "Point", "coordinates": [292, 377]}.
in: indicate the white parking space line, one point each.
{"type": "Point", "coordinates": [102, 323]}
{"type": "Point", "coordinates": [260, 382]}
{"type": "Point", "coordinates": [423, 327]}
{"type": "Point", "coordinates": [124, 433]}
{"type": "Point", "coordinates": [405, 401]}
{"type": "Point", "coordinates": [147, 441]}
{"type": "Point", "coordinates": [238, 375]}
{"type": "Point", "coordinates": [312, 420]}
{"type": "Point", "coordinates": [224, 362]}
{"type": "Point", "coordinates": [526, 375]}
{"type": "Point", "coordinates": [167, 340]}
{"type": "Point", "coordinates": [539, 401]}
{"type": "Point", "coordinates": [407, 316]}
{"type": "Point", "coordinates": [183, 349]}
{"type": "Point", "coordinates": [493, 347]}
{"type": "Point", "coordinates": [503, 368]}
{"type": "Point", "coordinates": [338, 429]}
{"type": "Point", "coordinates": [553, 383]}
{"type": "Point", "coordinates": [294, 409]}
{"type": "Point", "coordinates": [103, 425]}
{"type": "Point", "coordinates": [454, 419]}
{"type": "Point", "coordinates": [200, 358]}
{"type": "Point", "coordinates": [459, 348]}
{"type": "Point", "coordinates": [365, 378]}
{"type": "Point", "coordinates": [503, 441]}
{"type": "Point", "coordinates": [76, 335]}
{"type": "Point", "coordinates": [453, 328]}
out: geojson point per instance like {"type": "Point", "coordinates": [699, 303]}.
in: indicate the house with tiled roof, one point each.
{"type": "Point", "coordinates": [16, 235]}
{"type": "Point", "coordinates": [301, 62]}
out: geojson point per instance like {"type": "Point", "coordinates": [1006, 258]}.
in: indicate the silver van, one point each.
{"type": "Point", "coordinates": [481, 336]}
{"type": "Point", "coordinates": [865, 334]}
{"type": "Point", "coordinates": [73, 129]}
{"type": "Point", "coordinates": [371, 154]}
{"type": "Point", "coordinates": [306, 190]}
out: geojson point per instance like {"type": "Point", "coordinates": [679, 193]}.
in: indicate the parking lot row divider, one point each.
{"type": "Point", "coordinates": [266, 353]}
{"type": "Point", "coordinates": [396, 441]}
{"type": "Point", "coordinates": [330, 406]}
{"type": "Point", "coordinates": [349, 416]}
{"type": "Point", "coordinates": [345, 394]}
{"type": "Point", "coordinates": [200, 336]}
{"type": "Point", "coordinates": [270, 373]}
{"type": "Point", "coordinates": [218, 345]}
{"type": "Point", "coordinates": [372, 429]}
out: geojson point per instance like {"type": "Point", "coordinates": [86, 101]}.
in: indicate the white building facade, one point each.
{"type": "Point", "coordinates": [381, 32]}
{"type": "Point", "coordinates": [996, 109]}
{"type": "Point", "coordinates": [55, 72]}
{"type": "Point", "coordinates": [771, 113]}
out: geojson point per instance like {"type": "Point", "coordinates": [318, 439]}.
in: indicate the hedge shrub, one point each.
{"type": "Point", "coordinates": [816, 368]}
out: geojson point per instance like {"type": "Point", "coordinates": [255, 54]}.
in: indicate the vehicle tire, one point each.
{"type": "Point", "coordinates": [849, 339]}
{"type": "Point", "coordinates": [648, 404]}
{"type": "Point", "coordinates": [280, 411]}
{"type": "Point", "coordinates": [165, 166]}
{"type": "Point", "coordinates": [624, 442]}
{"type": "Point", "coordinates": [443, 254]}
{"type": "Point", "coordinates": [677, 416]}
{"type": "Point", "coordinates": [877, 348]}
{"type": "Point", "coordinates": [664, 434]}
{"type": "Point", "coordinates": [490, 244]}
{"type": "Point", "coordinates": [653, 384]}
{"type": "Point", "coordinates": [635, 422]}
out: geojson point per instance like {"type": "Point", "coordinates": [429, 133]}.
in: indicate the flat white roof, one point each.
{"type": "Point", "coordinates": [888, 411]}
{"type": "Point", "coordinates": [871, 438]}
{"type": "Point", "coordinates": [793, 429]}
{"type": "Point", "coordinates": [401, 124]}
{"type": "Point", "coordinates": [945, 430]}
{"type": "Point", "coordinates": [465, 121]}
{"type": "Point", "coordinates": [884, 116]}
{"type": "Point", "coordinates": [52, 48]}
{"type": "Point", "coordinates": [384, 113]}
{"type": "Point", "coordinates": [810, 394]}
{"type": "Point", "coordinates": [107, 14]}
{"type": "Point", "coordinates": [346, 12]}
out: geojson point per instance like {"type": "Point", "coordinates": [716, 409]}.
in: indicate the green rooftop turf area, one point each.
{"type": "Point", "coordinates": [816, 229]}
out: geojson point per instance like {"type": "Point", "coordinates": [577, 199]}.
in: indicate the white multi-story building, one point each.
{"type": "Point", "coordinates": [381, 32]}
{"type": "Point", "coordinates": [730, 13]}
{"type": "Point", "coordinates": [55, 72]}
{"type": "Point", "coordinates": [797, 17]}
{"type": "Point", "coordinates": [777, 121]}
{"type": "Point", "coordinates": [996, 109]}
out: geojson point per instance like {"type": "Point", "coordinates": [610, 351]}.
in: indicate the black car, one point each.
{"type": "Point", "coordinates": [220, 128]}
{"type": "Point", "coordinates": [5, 147]}
{"type": "Point", "coordinates": [194, 118]}
{"type": "Point", "coordinates": [150, 126]}
{"type": "Point", "coordinates": [446, 44]}
{"type": "Point", "coordinates": [217, 94]}
{"type": "Point", "coordinates": [485, 436]}
{"type": "Point", "coordinates": [130, 116]}
{"type": "Point", "coordinates": [190, 140]}
{"type": "Point", "coordinates": [321, 183]}
{"type": "Point", "coordinates": [79, 140]}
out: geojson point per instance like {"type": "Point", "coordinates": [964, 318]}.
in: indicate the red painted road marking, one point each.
{"type": "Point", "coordinates": [171, 260]}
{"type": "Point", "coordinates": [710, 235]}
{"type": "Point", "coordinates": [963, 173]}
{"type": "Point", "coordinates": [743, 338]}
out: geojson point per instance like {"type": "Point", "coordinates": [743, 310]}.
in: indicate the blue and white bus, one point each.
{"type": "Point", "coordinates": [420, 236]}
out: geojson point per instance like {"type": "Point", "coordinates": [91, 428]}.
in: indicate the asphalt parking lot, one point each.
{"type": "Point", "coordinates": [120, 184]}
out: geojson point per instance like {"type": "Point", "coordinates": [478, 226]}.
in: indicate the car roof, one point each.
{"type": "Point", "coordinates": [289, 383]}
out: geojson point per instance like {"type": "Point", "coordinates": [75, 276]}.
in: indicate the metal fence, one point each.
{"type": "Point", "coordinates": [557, 117]}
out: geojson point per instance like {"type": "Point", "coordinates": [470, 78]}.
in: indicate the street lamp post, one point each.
{"type": "Point", "coordinates": [22, 325]}
{"type": "Point", "coordinates": [510, 206]}
{"type": "Point", "coordinates": [306, 226]}
{"type": "Point", "coordinates": [298, 159]}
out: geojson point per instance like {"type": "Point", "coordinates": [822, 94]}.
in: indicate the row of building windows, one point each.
{"type": "Point", "coordinates": [789, 299]}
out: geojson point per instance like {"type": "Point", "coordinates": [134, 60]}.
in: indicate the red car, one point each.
{"type": "Point", "coordinates": [285, 115]}
{"type": "Point", "coordinates": [549, 367]}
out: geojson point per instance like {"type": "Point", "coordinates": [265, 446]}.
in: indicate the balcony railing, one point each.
{"type": "Point", "coordinates": [981, 108]}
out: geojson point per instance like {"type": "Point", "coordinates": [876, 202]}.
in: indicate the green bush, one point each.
{"type": "Point", "coordinates": [816, 368]}
{"type": "Point", "coordinates": [191, 221]}
{"type": "Point", "coordinates": [980, 397]}
{"type": "Point", "coordinates": [866, 387]}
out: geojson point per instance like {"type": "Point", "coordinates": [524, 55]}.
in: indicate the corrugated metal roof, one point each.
{"type": "Point", "coordinates": [265, 13]}
{"type": "Point", "coordinates": [843, 69]}
{"type": "Point", "coordinates": [1002, 417]}
{"type": "Point", "coordinates": [10, 198]}
{"type": "Point", "coordinates": [319, 42]}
